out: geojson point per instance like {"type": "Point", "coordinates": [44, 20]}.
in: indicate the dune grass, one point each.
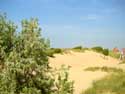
{"type": "Point", "coordinates": [104, 68]}
{"type": "Point", "coordinates": [92, 69]}
{"type": "Point", "coordinates": [114, 83]}
{"type": "Point", "coordinates": [111, 84]}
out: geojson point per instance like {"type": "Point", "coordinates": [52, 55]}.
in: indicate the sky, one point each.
{"type": "Point", "coordinates": [69, 23]}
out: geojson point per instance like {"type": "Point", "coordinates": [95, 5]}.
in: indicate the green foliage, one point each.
{"type": "Point", "coordinates": [7, 38]}
{"type": "Point", "coordinates": [98, 49]}
{"type": "Point", "coordinates": [111, 84]}
{"type": "Point", "coordinates": [57, 50]}
{"type": "Point", "coordinates": [63, 85]}
{"type": "Point", "coordinates": [114, 55]}
{"type": "Point", "coordinates": [24, 60]}
{"type": "Point", "coordinates": [7, 34]}
{"type": "Point", "coordinates": [78, 47]}
{"type": "Point", "coordinates": [106, 52]}
{"type": "Point", "coordinates": [52, 51]}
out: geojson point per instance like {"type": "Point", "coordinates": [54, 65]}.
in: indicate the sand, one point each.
{"type": "Point", "coordinates": [78, 62]}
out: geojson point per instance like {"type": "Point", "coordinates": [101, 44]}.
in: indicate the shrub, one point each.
{"type": "Point", "coordinates": [63, 85]}
{"type": "Point", "coordinates": [26, 68]}
{"type": "Point", "coordinates": [106, 52]}
{"type": "Point", "coordinates": [98, 49]}
{"type": "Point", "coordinates": [50, 52]}
{"type": "Point", "coordinates": [78, 47]}
{"type": "Point", "coordinates": [57, 50]}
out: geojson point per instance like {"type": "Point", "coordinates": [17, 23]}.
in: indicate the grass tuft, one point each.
{"type": "Point", "coordinates": [104, 68]}
{"type": "Point", "coordinates": [111, 84]}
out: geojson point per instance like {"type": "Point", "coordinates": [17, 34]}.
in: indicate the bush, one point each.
{"type": "Point", "coordinates": [106, 52]}
{"type": "Point", "coordinates": [78, 47]}
{"type": "Point", "coordinates": [57, 50]}
{"type": "Point", "coordinates": [50, 52]}
{"type": "Point", "coordinates": [25, 63]}
{"type": "Point", "coordinates": [98, 49]}
{"type": "Point", "coordinates": [63, 85]}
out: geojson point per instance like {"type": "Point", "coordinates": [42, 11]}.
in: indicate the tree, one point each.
{"type": "Point", "coordinates": [7, 34]}
{"type": "Point", "coordinates": [7, 38]}
{"type": "Point", "coordinates": [26, 67]}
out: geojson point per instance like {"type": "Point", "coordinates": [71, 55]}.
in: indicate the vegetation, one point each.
{"type": "Point", "coordinates": [57, 50]}
{"type": "Point", "coordinates": [24, 61]}
{"type": "Point", "coordinates": [106, 52]}
{"type": "Point", "coordinates": [98, 49]}
{"type": "Point", "coordinates": [122, 62]}
{"type": "Point", "coordinates": [79, 49]}
{"type": "Point", "coordinates": [104, 68]}
{"type": "Point", "coordinates": [64, 86]}
{"type": "Point", "coordinates": [52, 51]}
{"type": "Point", "coordinates": [114, 55]}
{"type": "Point", "coordinates": [111, 84]}
{"type": "Point", "coordinates": [92, 69]}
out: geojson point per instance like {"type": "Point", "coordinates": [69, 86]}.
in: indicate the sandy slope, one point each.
{"type": "Point", "coordinates": [78, 61]}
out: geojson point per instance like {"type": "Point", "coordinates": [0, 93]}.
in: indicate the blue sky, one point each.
{"type": "Point", "coordinates": [69, 23]}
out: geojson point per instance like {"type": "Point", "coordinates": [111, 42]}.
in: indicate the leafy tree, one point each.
{"type": "Point", "coordinates": [7, 34]}
{"type": "Point", "coordinates": [7, 38]}
{"type": "Point", "coordinates": [26, 69]}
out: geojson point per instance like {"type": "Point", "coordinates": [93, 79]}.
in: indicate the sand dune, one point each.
{"type": "Point", "coordinates": [78, 61]}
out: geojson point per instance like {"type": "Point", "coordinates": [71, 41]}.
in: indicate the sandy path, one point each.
{"type": "Point", "coordinates": [78, 61]}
